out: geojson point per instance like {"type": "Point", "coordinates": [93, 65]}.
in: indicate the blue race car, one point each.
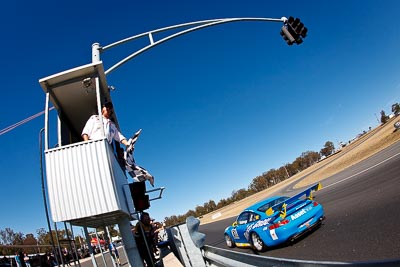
{"type": "Point", "coordinates": [275, 220]}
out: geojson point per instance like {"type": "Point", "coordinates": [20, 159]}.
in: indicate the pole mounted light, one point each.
{"type": "Point", "coordinates": [293, 31]}
{"type": "Point", "coordinates": [140, 199]}
{"type": "Point", "coordinates": [289, 39]}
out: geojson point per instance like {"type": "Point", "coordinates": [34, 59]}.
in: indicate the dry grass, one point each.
{"type": "Point", "coordinates": [366, 146]}
{"type": "Point", "coordinates": [370, 143]}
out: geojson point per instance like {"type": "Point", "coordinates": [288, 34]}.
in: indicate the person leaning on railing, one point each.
{"type": "Point", "coordinates": [92, 129]}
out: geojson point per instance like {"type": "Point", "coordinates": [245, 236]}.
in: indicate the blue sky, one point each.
{"type": "Point", "coordinates": [217, 107]}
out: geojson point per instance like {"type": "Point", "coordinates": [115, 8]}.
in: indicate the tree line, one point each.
{"type": "Point", "coordinates": [12, 242]}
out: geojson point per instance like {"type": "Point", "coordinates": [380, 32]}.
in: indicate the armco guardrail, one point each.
{"type": "Point", "coordinates": [188, 246]}
{"type": "Point", "coordinates": [222, 257]}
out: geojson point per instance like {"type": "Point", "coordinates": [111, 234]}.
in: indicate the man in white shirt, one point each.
{"type": "Point", "coordinates": [92, 129]}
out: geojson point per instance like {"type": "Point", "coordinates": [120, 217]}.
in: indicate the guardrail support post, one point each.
{"type": "Point", "coordinates": [187, 242]}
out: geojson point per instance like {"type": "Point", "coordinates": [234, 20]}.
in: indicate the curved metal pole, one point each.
{"type": "Point", "coordinates": [44, 192]}
{"type": "Point", "coordinates": [197, 25]}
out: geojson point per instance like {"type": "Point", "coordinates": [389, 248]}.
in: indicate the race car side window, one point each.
{"type": "Point", "coordinates": [253, 217]}
{"type": "Point", "coordinates": [243, 218]}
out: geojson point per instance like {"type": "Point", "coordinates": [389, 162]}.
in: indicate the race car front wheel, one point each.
{"type": "Point", "coordinates": [257, 242]}
{"type": "Point", "coordinates": [229, 242]}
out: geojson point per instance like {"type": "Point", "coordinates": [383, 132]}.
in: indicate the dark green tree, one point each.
{"type": "Point", "coordinates": [291, 168]}
{"type": "Point", "coordinates": [396, 109]}
{"type": "Point", "coordinates": [258, 184]}
{"type": "Point", "coordinates": [31, 241]}
{"type": "Point", "coordinates": [384, 117]}
{"type": "Point", "coordinates": [222, 203]}
{"type": "Point", "coordinates": [43, 237]}
{"type": "Point", "coordinates": [172, 220]}
{"type": "Point", "coordinates": [210, 206]}
{"type": "Point", "coordinates": [240, 194]}
{"type": "Point", "coordinates": [328, 149]}
{"type": "Point", "coordinates": [200, 211]}
{"type": "Point", "coordinates": [313, 157]}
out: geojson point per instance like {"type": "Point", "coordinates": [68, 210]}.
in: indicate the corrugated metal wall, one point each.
{"type": "Point", "coordinates": [81, 182]}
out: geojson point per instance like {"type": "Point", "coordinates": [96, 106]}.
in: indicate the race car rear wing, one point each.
{"type": "Point", "coordinates": [282, 206]}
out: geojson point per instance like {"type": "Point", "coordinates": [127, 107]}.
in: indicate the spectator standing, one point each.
{"type": "Point", "coordinates": [66, 256]}
{"type": "Point", "coordinates": [114, 252]}
{"type": "Point", "coordinates": [27, 260]}
{"type": "Point", "coordinates": [144, 236]}
{"type": "Point", "coordinates": [18, 260]}
{"type": "Point", "coordinates": [50, 260]}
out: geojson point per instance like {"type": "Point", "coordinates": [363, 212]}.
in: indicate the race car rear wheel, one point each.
{"type": "Point", "coordinates": [257, 242]}
{"type": "Point", "coordinates": [229, 242]}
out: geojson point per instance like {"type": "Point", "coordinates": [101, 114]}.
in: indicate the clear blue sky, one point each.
{"type": "Point", "coordinates": [218, 107]}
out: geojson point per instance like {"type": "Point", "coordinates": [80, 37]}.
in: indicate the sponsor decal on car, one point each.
{"type": "Point", "coordinates": [298, 214]}
{"type": "Point", "coordinates": [307, 223]}
{"type": "Point", "coordinates": [260, 223]}
{"type": "Point", "coordinates": [273, 234]}
{"type": "Point", "coordinates": [246, 233]}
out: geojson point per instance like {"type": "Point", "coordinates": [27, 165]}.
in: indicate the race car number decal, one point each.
{"type": "Point", "coordinates": [234, 233]}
